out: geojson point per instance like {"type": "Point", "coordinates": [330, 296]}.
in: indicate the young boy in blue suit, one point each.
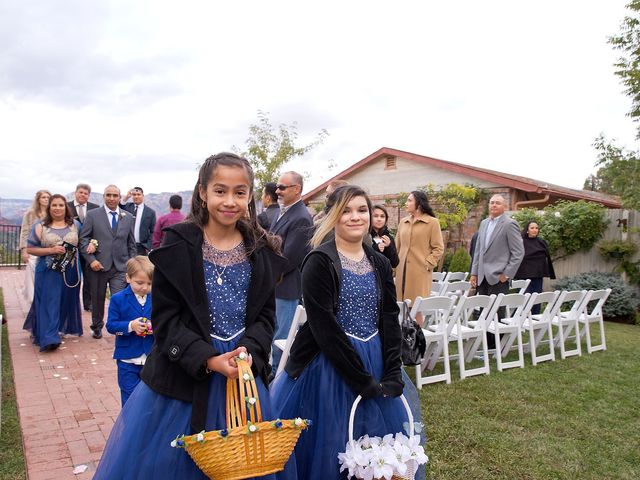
{"type": "Point", "coordinates": [129, 319]}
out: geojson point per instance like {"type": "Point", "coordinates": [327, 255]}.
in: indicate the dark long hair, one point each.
{"type": "Point", "coordinates": [386, 218]}
{"type": "Point", "coordinates": [253, 234]}
{"type": "Point", "coordinates": [68, 218]}
{"type": "Point", "coordinates": [422, 203]}
{"type": "Point", "coordinates": [525, 231]}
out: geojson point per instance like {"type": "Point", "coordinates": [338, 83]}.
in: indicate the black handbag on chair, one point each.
{"type": "Point", "coordinates": [413, 342]}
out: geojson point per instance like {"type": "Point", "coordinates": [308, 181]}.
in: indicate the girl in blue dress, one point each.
{"type": "Point", "coordinates": [349, 346]}
{"type": "Point", "coordinates": [213, 298]}
{"type": "Point", "coordinates": [56, 301]}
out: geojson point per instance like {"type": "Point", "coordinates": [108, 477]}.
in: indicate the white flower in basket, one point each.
{"type": "Point", "coordinates": [391, 457]}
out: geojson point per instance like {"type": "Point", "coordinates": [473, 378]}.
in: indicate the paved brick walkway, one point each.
{"type": "Point", "coordinates": [67, 399]}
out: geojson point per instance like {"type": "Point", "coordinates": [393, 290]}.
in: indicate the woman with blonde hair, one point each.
{"type": "Point", "coordinates": [349, 346]}
{"type": "Point", "coordinates": [36, 213]}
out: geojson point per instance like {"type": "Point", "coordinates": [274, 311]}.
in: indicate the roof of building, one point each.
{"type": "Point", "coordinates": [513, 181]}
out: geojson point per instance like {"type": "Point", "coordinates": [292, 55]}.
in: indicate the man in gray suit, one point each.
{"type": "Point", "coordinates": [113, 230]}
{"type": "Point", "coordinates": [498, 253]}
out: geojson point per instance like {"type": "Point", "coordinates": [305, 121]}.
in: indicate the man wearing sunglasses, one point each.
{"type": "Point", "coordinates": [294, 226]}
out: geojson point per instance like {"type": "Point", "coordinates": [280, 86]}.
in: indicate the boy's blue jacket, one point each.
{"type": "Point", "coordinates": [123, 308]}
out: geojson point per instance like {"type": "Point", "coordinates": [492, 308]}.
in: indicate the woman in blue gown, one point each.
{"type": "Point", "coordinates": [213, 298]}
{"type": "Point", "coordinates": [349, 346]}
{"type": "Point", "coordinates": [56, 302]}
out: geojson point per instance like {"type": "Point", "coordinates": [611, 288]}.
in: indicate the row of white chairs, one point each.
{"type": "Point", "coordinates": [467, 320]}
{"type": "Point", "coordinates": [449, 276]}
{"type": "Point", "coordinates": [462, 288]}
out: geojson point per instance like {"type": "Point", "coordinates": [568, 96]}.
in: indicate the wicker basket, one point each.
{"type": "Point", "coordinates": [411, 471]}
{"type": "Point", "coordinates": [248, 447]}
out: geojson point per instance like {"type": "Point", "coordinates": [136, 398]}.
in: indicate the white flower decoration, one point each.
{"type": "Point", "coordinates": [242, 356]}
{"type": "Point", "coordinates": [252, 401]}
{"type": "Point", "coordinates": [253, 428]}
{"type": "Point", "coordinates": [200, 437]}
{"type": "Point", "coordinates": [375, 457]}
{"type": "Point", "coordinates": [297, 422]}
{"type": "Point", "coordinates": [174, 444]}
{"type": "Point", "coordinates": [246, 377]}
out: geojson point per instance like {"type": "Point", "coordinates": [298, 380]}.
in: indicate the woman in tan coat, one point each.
{"type": "Point", "coordinates": [420, 246]}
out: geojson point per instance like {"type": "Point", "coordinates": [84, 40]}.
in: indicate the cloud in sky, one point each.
{"type": "Point", "coordinates": [140, 92]}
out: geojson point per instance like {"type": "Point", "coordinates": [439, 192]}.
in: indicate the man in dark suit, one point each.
{"type": "Point", "coordinates": [145, 219]}
{"type": "Point", "coordinates": [294, 225]}
{"type": "Point", "coordinates": [271, 207]}
{"type": "Point", "coordinates": [112, 228]}
{"type": "Point", "coordinates": [497, 254]}
{"type": "Point", "coordinates": [79, 207]}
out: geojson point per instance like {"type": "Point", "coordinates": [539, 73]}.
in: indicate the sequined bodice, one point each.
{"type": "Point", "coordinates": [358, 306]}
{"type": "Point", "coordinates": [227, 275]}
{"type": "Point", "coordinates": [55, 236]}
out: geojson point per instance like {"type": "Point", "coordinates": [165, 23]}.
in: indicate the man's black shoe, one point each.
{"type": "Point", "coordinates": [97, 335]}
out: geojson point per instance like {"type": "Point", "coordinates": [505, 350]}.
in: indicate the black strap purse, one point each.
{"type": "Point", "coordinates": [62, 261]}
{"type": "Point", "coordinates": [413, 341]}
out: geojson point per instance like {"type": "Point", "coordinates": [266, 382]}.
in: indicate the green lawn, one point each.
{"type": "Point", "coordinates": [570, 419]}
{"type": "Point", "coordinates": [12, 466]}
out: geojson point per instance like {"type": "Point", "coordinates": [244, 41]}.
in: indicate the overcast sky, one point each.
{"type": "Point", "coordinates": [140, 92]}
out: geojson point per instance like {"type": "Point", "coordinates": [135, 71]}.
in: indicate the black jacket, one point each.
{"type": "Point", "coordinates": [147, 223]}
{"type": "Point", "coordinates": [391, 252]}
{"type": "Point", "coordinates": [321, 274]}
{"type": "Point", "coordinates": [536, 262]}
{"type": "Point", "coordinates": [268, 215]}
{"type": "Point", "coordinates": [182, 343]}
{"type": "Point", "coordinates": [295, 228]}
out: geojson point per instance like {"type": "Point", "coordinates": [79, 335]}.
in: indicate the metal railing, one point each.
{"type": "Point", "coordinates": [10, 246]}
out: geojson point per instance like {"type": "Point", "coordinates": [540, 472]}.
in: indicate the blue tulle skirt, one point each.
{"type": "Point", "coordinates": [139, 445]}
{"type": "Point", "coordinates": [56, 306]}
{"type": "Point", "coordinates": [321, 395]}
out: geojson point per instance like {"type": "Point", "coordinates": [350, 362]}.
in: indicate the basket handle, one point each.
{"type": "Point", "coordinates": [239, 395]}
{"type": "Point", "coordinates": [352, 416]}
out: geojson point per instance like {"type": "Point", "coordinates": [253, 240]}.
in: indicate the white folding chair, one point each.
{"type": "Point", "coordinates": [539, 324]}
{"type": "Point", "coordinates": [456, 276]}
{"type": "Point", "coordinates": [436, 312]}
{"type": "Point", "coordinates": [472, 334]}
{"type": "Point", "coordinates": [594, 315]}
{"type": "Point", "coordinates": [459, 289]}
{"type": "Point", "coordinates": [438, 276]}
{"type": "Point", "coordinates": [508, 330]}
{"type": "Point", "coordinates": [299, 318]}
{"type": "Point", "coordinates": [566, 321]}
{"type": "Point", "coordinates": [520, 285]}
{"type": "Point", "coordinates": [436, 288]}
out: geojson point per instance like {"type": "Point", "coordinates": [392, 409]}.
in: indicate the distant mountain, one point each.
{"type": "Point", "coordinates": [13, 209]}
{"type": "Point", "coordinates": [160, 201]}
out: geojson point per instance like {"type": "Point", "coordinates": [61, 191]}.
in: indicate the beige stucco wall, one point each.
{"type": "Point", "coordinates": [408, 175]}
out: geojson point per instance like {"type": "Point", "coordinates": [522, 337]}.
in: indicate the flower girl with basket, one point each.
{"type": "Point", "coordinates": [349, 346]}
{"type": "Point", "coordinates": [213, 302]}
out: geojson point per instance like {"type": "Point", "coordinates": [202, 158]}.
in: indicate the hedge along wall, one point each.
{"type": "Point", "coordinates": [591, 260]}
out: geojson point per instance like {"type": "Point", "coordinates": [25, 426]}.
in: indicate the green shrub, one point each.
{"type": "Point", "coordinates": [622, 302]}
{"type": "Point", "coordinates": [568, 227]}
{"type": "Point", "coordinates": [448, 255]}
{"type": "Point", "coordinates": [617, 249]}
{"type": "Point", "coordinates": [460, 261]}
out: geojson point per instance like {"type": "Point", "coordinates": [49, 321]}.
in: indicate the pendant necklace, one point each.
{"type": "Point", "coordinates": [215, 266]}
{"type": "Point", "coordinates": [219, 274]}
